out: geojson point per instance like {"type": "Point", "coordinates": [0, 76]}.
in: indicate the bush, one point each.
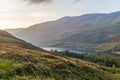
{"type": "Point", "coordinates": [6, 70]}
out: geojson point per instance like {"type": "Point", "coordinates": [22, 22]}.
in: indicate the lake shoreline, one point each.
{"type": "Point", "coordinates": [74, 50]}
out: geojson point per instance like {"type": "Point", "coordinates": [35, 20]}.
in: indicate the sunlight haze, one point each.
{"type": "Point", "coordinates": [21, 13]}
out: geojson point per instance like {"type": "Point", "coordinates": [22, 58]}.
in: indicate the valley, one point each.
{"type": "Point", "coordinates": [98, 31]}
{"type": "Point", "coordinates": [60, 40]}
{"type": "Point", "coordinates": [20, 60]}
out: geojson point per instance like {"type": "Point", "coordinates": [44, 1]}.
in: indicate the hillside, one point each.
{"type": "Point", "coordinates": [13, 31]}
{"type": "Point", "coordinates": [90, 31]}
{"type": "Point", "coordinates": [18, 61]}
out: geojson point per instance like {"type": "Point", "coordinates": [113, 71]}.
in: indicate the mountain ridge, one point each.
{"type": "Point", "coordinates": [86, 30]}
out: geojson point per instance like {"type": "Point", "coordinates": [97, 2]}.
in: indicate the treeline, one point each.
{"type": "Point", "coordinates": [102, 59]}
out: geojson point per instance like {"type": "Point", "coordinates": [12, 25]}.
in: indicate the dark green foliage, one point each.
{"type": "Point", "coordinates": [102, 59]}
{"type": "Point", "coordinates": [6, 70]}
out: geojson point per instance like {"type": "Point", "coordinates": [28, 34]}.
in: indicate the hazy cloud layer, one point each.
{"type": "Point", "coordinates": [43, 1]}
{"type": "Point", "coordinates": [37, 1]}
{"type": "Point", "coordinates": [76, 0]}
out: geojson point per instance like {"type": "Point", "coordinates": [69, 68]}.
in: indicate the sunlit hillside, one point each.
{"type": "Point", "coordinates": [59, 39]}
{"type": "Point", "coordinates": [22, 61]}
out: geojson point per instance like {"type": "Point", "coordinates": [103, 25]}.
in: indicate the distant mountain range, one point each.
{"type": "Point", "coordinates": [96, 31]}
{"type": "Point", "coordinates": [13, 31]}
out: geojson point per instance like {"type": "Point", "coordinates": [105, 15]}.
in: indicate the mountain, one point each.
{"type": "Point", "coordinates": [98, 31]}
{"type": "Point", "coordinates": [13, 31]}
{"type": "Point", "coordinates": [20, 60]}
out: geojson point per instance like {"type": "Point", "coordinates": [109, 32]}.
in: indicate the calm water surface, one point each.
{"type": "Point", "coordinates": [79, 51]}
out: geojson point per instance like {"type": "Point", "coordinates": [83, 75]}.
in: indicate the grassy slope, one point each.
{"type": "Point", "coordinates": [18, 61]}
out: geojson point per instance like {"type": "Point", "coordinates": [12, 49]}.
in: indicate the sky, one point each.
{"type": "Point", "coordinates": [24, 13]}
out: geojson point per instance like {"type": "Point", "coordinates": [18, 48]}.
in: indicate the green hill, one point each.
{"type": "Point", "coordinates": [20, 60]}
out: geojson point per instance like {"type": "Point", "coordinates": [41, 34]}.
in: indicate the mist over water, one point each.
{"type": "Point", "coordinates": [78, 51]}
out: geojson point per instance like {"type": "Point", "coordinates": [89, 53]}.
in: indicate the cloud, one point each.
{"type": "Point", "coordinates": [38, 1]}
{"type": "Point", "coordinates": [44, 1]}
{"type": "Point", "coordinates": [75, 1]}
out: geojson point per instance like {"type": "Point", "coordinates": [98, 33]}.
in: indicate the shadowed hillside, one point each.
{"type": "Point", "coordinates": [22, 61]}
{"type": "Point", "coordinates": [97, 31]}
{"type": "Point", "coordinates": [6, 38]}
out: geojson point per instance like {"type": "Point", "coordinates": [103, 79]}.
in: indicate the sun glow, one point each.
{"type": "Point", "coordinates": [17, 13]}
